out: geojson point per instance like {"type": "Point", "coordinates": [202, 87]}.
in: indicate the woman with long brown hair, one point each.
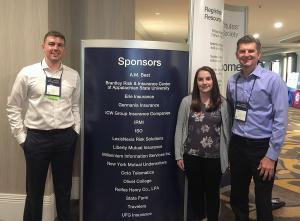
{"type": "Point", "coordinates": [201, 143]}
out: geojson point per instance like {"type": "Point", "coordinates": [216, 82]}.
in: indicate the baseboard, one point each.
{"type": "Point", "coordinates": [12, 206]}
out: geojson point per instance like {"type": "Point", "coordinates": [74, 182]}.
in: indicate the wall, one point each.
{"type": "Point", "coordinates": [298, 61]}
{"type": "Point", "coordinates": [268, 59]}
{"type": "Point", "coordinates": [23, 25]}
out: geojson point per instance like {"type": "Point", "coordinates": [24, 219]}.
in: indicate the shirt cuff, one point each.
{"type": "Point", "coordinates": [272, 154]}
{"type": "Point", "coordinates": [21, 137]}
{"type": "Point", "coordinates": [77, 129]}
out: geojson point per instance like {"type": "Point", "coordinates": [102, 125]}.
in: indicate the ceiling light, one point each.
{"type": "Point", "coordinates": [278, 24]}
{"type": "Point", "coordinates": [256, 35]}
{"type": "Point", "coordinates": [157, 13]}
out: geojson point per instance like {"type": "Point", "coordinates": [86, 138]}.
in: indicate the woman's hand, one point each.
{"type": "Point", "coordinates": [180, 164]}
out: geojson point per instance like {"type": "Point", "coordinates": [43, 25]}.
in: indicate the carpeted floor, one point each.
{"type": "Point", "coordinates": [287, 183]}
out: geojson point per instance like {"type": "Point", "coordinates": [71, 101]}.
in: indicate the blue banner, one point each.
{"type": "Point", "coordinates": [131, 99]}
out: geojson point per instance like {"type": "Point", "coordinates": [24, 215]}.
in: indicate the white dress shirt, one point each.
{"type": "Point", "coordinates": [43, 113]}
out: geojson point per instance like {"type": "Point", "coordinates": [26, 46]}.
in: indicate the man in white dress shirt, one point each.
{"type": "Point", "coordinates": [50, 92]}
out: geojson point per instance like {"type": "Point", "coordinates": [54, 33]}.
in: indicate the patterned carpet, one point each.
{"type": "Point", "coordinates": [287, 183]}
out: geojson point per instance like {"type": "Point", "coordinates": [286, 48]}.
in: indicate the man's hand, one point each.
{"type": "Point", "coordinates": [267, 168]}
{"type": "Point", "coordinates": [180, 164]}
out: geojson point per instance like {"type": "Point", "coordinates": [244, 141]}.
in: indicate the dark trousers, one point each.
{"type": "Point", "coordinates": [245, 155]}
{"type": "Point", "coordinates": [41, 148]}
{"type": "Point", "coordinates": [204, 177]}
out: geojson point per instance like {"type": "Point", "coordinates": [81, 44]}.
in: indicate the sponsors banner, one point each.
{"type": "Point", "coordinates": [132, 91]}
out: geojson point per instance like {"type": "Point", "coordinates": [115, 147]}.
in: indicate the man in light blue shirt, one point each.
{"type": "Point", "coordinates": [259, 99]}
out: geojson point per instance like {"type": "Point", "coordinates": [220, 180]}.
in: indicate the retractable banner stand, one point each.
{"type": "Point", "coordinates": [215, 29]}
{"type": "Point", "coordinates": [206, 35]}
{"type": "Point", "coordinates": [235, 27]}
{"type": "Point", "coordinates": [132, 91]}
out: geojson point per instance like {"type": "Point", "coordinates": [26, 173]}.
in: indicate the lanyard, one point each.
{"type": "Point", "coordinates": [53, 86]}
{"type": "Point", "coordinates": [62, 71]}
{"type": "Point", "coordinates": [250, 91]}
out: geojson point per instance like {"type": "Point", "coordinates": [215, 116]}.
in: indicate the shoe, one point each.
{"type": "Point", "coordinates": [277, 203]}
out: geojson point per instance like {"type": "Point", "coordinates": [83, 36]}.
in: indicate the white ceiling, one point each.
{"type": "Point", "coordinates": [172, 22]}
{"type": "Point", "coordinates": [170, 25]}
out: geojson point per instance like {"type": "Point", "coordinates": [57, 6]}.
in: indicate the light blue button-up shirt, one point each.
{"type": "Point", "coordinates": [267, 110]}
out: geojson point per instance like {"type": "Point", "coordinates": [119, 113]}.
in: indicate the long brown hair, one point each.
{"type": "Point", "coordinates": [215, 96]}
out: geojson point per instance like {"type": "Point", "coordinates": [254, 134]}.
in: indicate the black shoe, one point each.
{"type": "Point", "coordinates": [277, 203]}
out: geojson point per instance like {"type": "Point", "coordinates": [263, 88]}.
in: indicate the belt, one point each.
{"type": "Point", "coordinates": [53, 131]}
{"type": "Point", "coordinates": [250, 139]}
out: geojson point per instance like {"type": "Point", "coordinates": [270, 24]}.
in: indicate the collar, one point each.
{"type": "Point", "coordinates": [45, 66]}
{"type": "Point", "coordinates": [257, 72]}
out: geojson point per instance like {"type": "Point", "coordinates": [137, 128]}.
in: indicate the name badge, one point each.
{"type": "Point", "coordinates": [241, 110]}
{"type": "Point", "coordinates": [53, 88]}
